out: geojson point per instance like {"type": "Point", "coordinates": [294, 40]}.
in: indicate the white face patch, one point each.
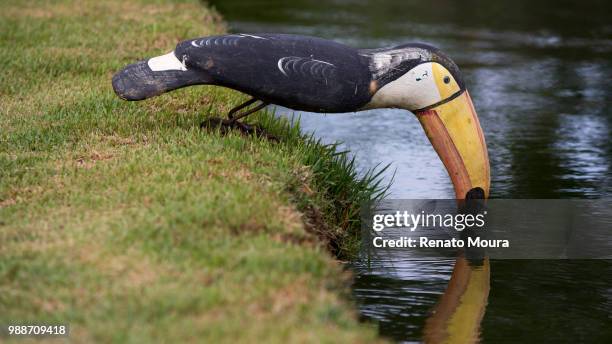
{"type": "Point", "coordinates": [412, 91]}
{"type": "Point", "coordinates": [166, 62]}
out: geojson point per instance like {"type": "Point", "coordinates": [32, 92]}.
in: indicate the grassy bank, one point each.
{"type": "Point", "coordinates": [128, 222]}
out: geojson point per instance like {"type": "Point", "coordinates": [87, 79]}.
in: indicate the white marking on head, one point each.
{"type": "Point", "coordinates": [166, 62]}
{"type": "Point", "coordinates": [414, 90]}
{"type": "Point", "coordinates": [382, 61]}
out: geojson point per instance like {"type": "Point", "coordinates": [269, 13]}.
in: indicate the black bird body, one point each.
{"type": "Point", "coordinates": [303, 73]}
{"type": "Point", "coordinates": [298, 72]}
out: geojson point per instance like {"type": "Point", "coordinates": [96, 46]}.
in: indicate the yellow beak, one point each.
{"type": "Point", "coordinates": [455, 133]}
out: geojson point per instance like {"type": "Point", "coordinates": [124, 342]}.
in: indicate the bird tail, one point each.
{"type": "Point", "coordinates": [152, 77]}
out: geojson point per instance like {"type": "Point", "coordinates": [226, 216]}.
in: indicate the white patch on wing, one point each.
{"type": "Point", "coordinates": [414, 90]}
{"type": "Point", "coordinates": [225, 40]}
{"type": "Point", "coordinates": [280, 65]}
{"type": "Point", "coordinates": [305, 67]}
{"type": "Point", "coordinates": [252, 36]}
{"type": "Point", "coordinates": [327, 63]}
{"type": "Point", "coordinates": [166, 62]}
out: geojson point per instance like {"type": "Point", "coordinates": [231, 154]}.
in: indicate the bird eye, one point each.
{"type": "Point", "coordinates": [446, 79]}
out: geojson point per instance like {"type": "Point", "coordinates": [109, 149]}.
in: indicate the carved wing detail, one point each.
{"type": "Point", "coordinates": [305, 67]}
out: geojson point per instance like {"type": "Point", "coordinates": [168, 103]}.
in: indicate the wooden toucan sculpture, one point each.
{"type": "Point", "coordinates": [318, 75]}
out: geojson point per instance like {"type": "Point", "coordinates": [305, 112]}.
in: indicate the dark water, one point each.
{"type": "Point", "coordinates": [540, 75]}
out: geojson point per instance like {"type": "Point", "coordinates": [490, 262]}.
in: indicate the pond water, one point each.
{"type": "Point", "coordinates": [539, 73]}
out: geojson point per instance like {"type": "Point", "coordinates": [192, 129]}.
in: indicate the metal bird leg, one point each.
{"type": "Point", "coordinates": [232, 122]}
{"type": "Point", "coordinates": [231, 115]}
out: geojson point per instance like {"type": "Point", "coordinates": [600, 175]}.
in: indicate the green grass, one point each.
{"type": "Point", "coordinates": [128, 222]}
